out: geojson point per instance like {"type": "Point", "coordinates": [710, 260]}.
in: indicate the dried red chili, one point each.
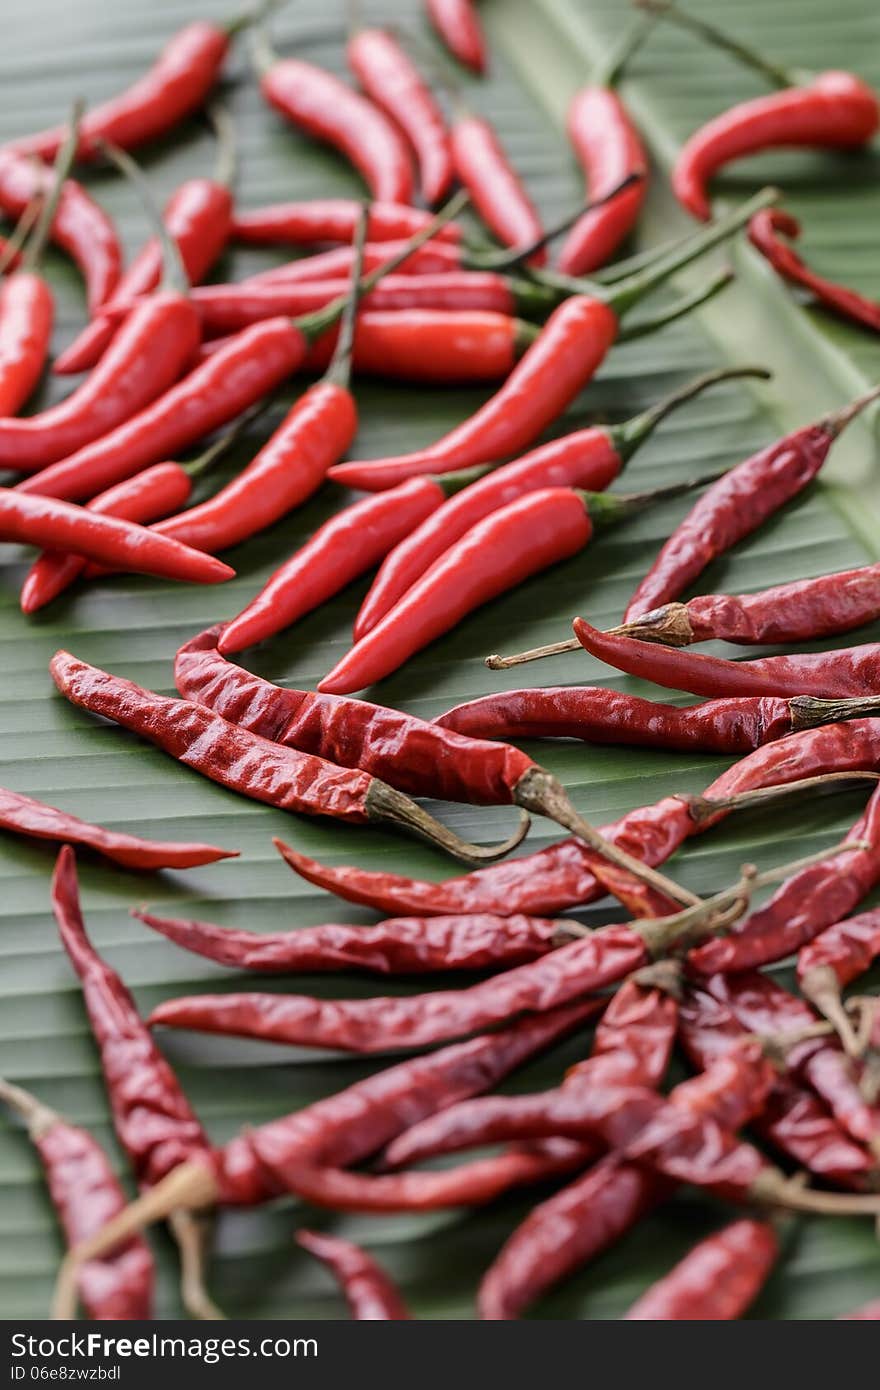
{"type": "Point", "coordinates": [369, 1292]}
{"type": "Point", "coordinates": [457, 24]}
{"type": "Point", "coordinates": [836, 957]}
{"type": "Point", "coordinates": [252, 765]}
{"type": "Point", "coordinates": [716, 1281]}
{"type": "Point", "coordinates": [86, 1194]}
{"type": "Point", "coordinates": [766, 232]}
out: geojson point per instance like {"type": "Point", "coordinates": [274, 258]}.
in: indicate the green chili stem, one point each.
{"type": "Point", "coordinates": [628, 436]}
{"type": "Point", "coordinates": [174, 275]}
{"type": "Point", "coordinates": [62, 166]}
{"type": "Point", "coordinates": [339, 371]}
{"type": "Point", "coordinates": [750, 57]}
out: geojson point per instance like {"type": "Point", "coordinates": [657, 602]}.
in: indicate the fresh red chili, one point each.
{"type": "Point", "coordinates": [574, 342]}
{"type": "Point", "coordinates": [326, 108]}
{"type": "Point", "coordinates": [244, 762]}
{"type": "Point", "coordinates": [400, 946]}
{"type": "Point", "coordinates": [590, 458]}
{"type": "Point", "coordinates": [847, 672]}
{"type": "Point", "coordinates": [496, 190]}
{"type": "Point", "coordinates": [393, 82]}
{"type": "Point", "coordinates": [332, 219]}
{"type": "Point", "coordinates": [368, 1291]}
{"type": "Point", "coordinates": [456, 23]}
{"type": "Point", "coordinates": [86, 1194]}
{"type": "Point", "coordinates": [152, 1117]}
{"type": "Point", "coordinates": [198, 216]}
{"type": "Point", "coordinates": [716, 1281]}
{"type": "Point", "coordinates": [439, 346]}
{"type": "Point", "coordinates": [22, 815]}
{"type": "Point", "coordinates": [827, 110]}
{"type": "Point", "coordinates": [836, 957]}
{"type": "Point", "coordinates": [435, 258]}
{"type": "Point", "coordinates": [800, 909]}
{"type": "Point", "coordinates": [80, 227]}
{"type": "Point", "coordinates": [108, 540]}
{"type": "Point", "coordinates": [793, 1119]}
{"type": "Point", "coordinates": [536, 530]}
{"type": "Point", "coordinates": [766, 232]}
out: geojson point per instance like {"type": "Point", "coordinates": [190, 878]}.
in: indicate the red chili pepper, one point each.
{"type": "Point", "coordinates": [716, 1281]}
{"type": "Point", "coordinates": [560, 876]}
{"type": "Point", "coordinates": [251, 765]}
{"type": "Point", "coordinates": [400, 946]}
{"type": "Point", "coordinates": [456, 23]}
{"type": "Point", "coordinates": [10, 256]}
{"type": "Point", "coordinates": [369, 1292]}
{"type": "Point", "coordinates": [794, 612]}
{"type": "Point", "coordinates": [198, 217]}
{"type": "Point", "coordinates": [497, 192]}
{"type": "Point", "coordinates": [152, 1117]}
{"type": "Point", "coordinates": [836, 957]}
{"type": "Point", "coordinates": [326, 108]}
{"type": "Point", "coordinates": [22, 815]}
{"type": "Point", "coordinates": [434, 258]}
{"type": "Point", "coordinates": [440, 346]}
{"type": "Point", "coordinates": [108, 540]}
{"type": "Point", "coordinates": [793, 1119]}
{"type": "Point", "coordinates": [809, 902]}
{"type": "Point", "coordinates": [393, 82]}
{"type": "Point", "coordinates": [608, 147]}
{"type": "Point", "coordinates": [848, 672]}
{"type": "Point", "coordinates": [590, 458]}
{"type": "Point", "coordinates": [86, 1195]}
{"type": "Point", "coordinates": [332, 219]}
{"type": "Point", "coordinates": [80, 227]}
{"type": "Point", "coordinates": [737, 505]}
{"type": "Point", "coordinates": [827, 110]}
{"type": "Point", "coordinates": [766, 231]}
{"type": "Point", "coordinates": [574, 342]}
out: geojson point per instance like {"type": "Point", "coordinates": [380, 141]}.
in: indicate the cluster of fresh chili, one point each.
{"type": "Point", "coordinates": [449, 527]}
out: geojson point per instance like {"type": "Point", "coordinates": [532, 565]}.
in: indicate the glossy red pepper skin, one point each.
{"type": "Point", "coordinates": [435, 257]}
{"type": "Point", "coordinates": [342, 549]}
{"type": "Point", "coordinates": [513, 543]}
{"type": "Point", "coordinates": [609, 148]}
{"type": "Point", "coordinates": [369, 1293]}
{"type": "Point", "coordinates": [496, 190]}
{"type": "Point", "coordinates": [22, 815]}
{"type": "Point", "coordinates": [731, 509]}
{"type": "Point", "coordinates": [586, 458]}
{"type": "Point", "coordinates": [405, 751]}
{"type": "Point", "coordinates": [846, 673]}
{"type": "Point", "coordinates": [801, 908]}
{"type": "Point", "coordinates": [357, 1121]}
{"type": "Point", "coordinates": [393, 82]}
{"type": "Point", "coordinates": [317, 429]}
{"type": "Point", "coordinates": [834, 111]}
{"type": "Point", "coordinates": [176, 85]}
{"type": "Point", "coordinates": [27, 313]}
{"type": "Point", "coordinates": [108, 540]}
{"type": "Point", "coordinates": [150, 353]}
{"type": "Point", "coordinates": [144, 498]}
{"type": "Point", "coordinates": [400, 946]}
{"type": "Point", "coordinates": [767, 231]}
{"type": "Point", "coordinates": [559, 364]}
{"type": "Point", "coordinates": [848, 948]}
{"type": "Point", "coordinates": [327, 109]}
{"type": "Point", "coordinates": [228, 308]}
{"type": "Point", "coordinates": [438, 346]}
{"type": "Point", "coordinates": [555, 878]}
{"type": "Point", "coordinates": [456, 23]}
{"type": "Point", "coordinates": [378, 1024]}
{"type": "Point", "coordinates": [199, 217]}
{"type": "Point", "coordinates": [80, 227]}
{"type": "Point", "coordinates": [223, 386]}
{"type": "Point", "coordinates": [333, 219]}
{"type": "Point", "coordinates": [716, 1281]}
{"type": "Point", "coordinates": [793, 1119]}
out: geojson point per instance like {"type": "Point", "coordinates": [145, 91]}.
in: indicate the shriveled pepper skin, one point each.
{"type": "Point", "coordinates": [27, 312]}
{"type": "Point", "coordinates": [835, 111]}
{"type": "Point", "coordinates": [716, 1281]}
{"type": "Point", "coordinates": [767, 230]}
{"type": "Point", "coordinates": [606, 142]}
{"type": "Point", "coordinates": [404, 751]}
{"type": "Point", "coordinates": [332, 219]}
{"type": "Point", "coordinates": [496, 190]}
{"type": "Point", "coordinates": [369, 1292]}
{"type": "Point", "coordinates": [849, 948]}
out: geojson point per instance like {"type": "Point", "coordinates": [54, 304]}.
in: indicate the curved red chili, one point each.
{"type": "Point", "coordinates": [836, 957]}
{"type": "Point", "coordinates": [716, 1281]}
{"type": "Point", "coordinates": [369, 1292]}
{"type": "Point", "coordinates": [332, 219]}
{"type": "Point", "coordinates": [319, 103]}
{"type": "Point", "coordinates": [22, 815]}
{"type": "Point", "coordinates": [766, 232]}
{"type": "Point", "coordinates": [496, 190]}
{"type": "Point", "coordinates": [86, 1194]}
{"type": "Point", "coordinates": [590, 458]}
{"type": "Point", "coordinates": [249, 764]}
{"type": "Point", "coordinates": [393, 82]}
{"type": "Point", "coordinates": [456, 23]}
{"type": "Point", "coordinates": [80, 227]}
